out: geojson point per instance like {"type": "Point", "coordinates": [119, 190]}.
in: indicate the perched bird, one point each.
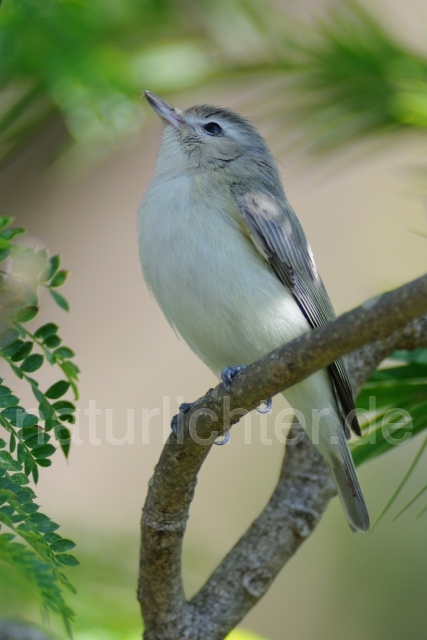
{"type": "Point", "coordinates": [228, 262]}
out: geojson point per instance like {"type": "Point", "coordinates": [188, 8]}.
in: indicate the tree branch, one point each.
{"type": "Point", "coordinates": [304, 488]}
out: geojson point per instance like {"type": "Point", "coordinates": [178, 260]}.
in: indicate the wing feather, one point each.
{"type": "Point", "coordinates": [277, 233]}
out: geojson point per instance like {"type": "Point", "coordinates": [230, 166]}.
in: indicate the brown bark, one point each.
{"type": "Point", "coordinates": [395, 320]}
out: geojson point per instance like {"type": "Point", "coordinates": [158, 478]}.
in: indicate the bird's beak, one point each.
{"type": "Point", "coordinates": [164, 110]}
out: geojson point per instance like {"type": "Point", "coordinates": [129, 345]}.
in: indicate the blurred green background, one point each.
{"type": "Point", "coordinates": [340, 94]}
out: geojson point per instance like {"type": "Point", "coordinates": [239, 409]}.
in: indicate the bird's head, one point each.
{"type": "Point", "coordinates": [207, 138]}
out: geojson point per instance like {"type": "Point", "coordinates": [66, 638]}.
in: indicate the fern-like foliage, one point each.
{"type": "Point", "coordinates": [87, 61]}
{"type": "Point", "coordinates": [394, 402]}
{"type": "Point", "coordinates": [29, 541]}
{"type": "Point", "coordinates": [340, 78]}
{"type": "Point", "coordinates": [351, 78]}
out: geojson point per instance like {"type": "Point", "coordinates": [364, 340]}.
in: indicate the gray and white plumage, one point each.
{"type": "Point", "coordinates": [226, 257]}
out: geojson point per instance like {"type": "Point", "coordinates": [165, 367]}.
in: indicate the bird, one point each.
{"type": "Point", "coordinates": [228, 262]}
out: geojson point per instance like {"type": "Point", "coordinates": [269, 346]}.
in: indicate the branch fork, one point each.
{"type": "Point", "coordinates": [395, 320]}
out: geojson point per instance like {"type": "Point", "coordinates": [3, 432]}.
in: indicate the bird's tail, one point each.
{"type": "Point", "coordinates": [337, 455]}
{"type": "Point", "coordinates": [327, 434]}
{"type": "Point", "coordinates": [348, 487]}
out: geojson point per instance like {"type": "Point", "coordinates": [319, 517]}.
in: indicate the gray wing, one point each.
{"type": "Point", "coordinates": [275, 230]}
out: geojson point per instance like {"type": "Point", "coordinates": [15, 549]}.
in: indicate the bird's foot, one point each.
{"type": "Point", "coordinates": [228, 374]}
{"type": "Point", "coordinates": [184, 407]}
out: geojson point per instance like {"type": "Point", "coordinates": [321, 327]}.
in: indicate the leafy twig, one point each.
{"type": "Point", "coordinates": [45, 553]}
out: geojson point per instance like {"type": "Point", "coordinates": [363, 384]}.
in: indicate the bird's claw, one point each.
{"type": "Point", "coordinates": [267, 406]}
{"type": "Point", "coordinates": [183, 408]}
{"type": "Point", "coordinates": [228, 374]}
{"type": "Point", "coordinates": [224, 440]}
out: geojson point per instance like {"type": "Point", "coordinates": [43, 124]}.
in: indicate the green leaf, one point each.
{"type": "Point", "coordinates": [12, 347]}
{"type": "Point", "coordinates": [25, 489]}
{"type": "Point", "coordinates": [60, 300]}
{"type": "Point", "coordinates": [51, 423]}
{"type": "Point", "coordinates": [45, 409]}
{"type": "Point", "coordinates": [30, 507]}
{"type": "Point", "coordinates": [21, 493]}
{"type": "Point", "coordinates": [34, 440]}
{"type": "Point", "coordinates": [5, 249]}
{"type": "Point", "coordinates": [39, 396]}
{"type": "Point", "coordinates": [37, 440]}
{"type": "Point", "coordinates": [44, 451]}
{"type": "Point", "coordinates": [52, 537]}
{"type": "Point", "coordinates": [21, 454]}
{"type": "Point", "coordinates": [34, 432]}
{"type": "Point", "coordinates": [6, 483]}
{"type": "Point", "coordinates": [8, 401]}
{"type": "Point", "coordinates": [62, 545]}
{"type": "Point", "coordinates": [5, 518]}
{"type": "Point", "coordinates": [8, 462]}
{"type": "Point", "coordinates": [29, 465]}
{"type": "Point", "coordinates": [63, 436]}
{"type": "Point", "coordinates": [32, 363]}
{"type": "Point", "coordinates": [4, 391]}
{"type": "Point", "coordinates": [35, 474]}
{"type": "Point", "coordinates": [12, 443]}
{"type": "Point", "coordinates": [9, 234]}
{"type": "Point", "coordinates": [4, 495]}
{"type": "Point", "coordinates": [23, 351]}
{"type": "Point", "coordinates": [8, 341]}
{"type": "Point", "coordinates": [58, 389]}
{"type": "Point", "coordinates": [68, 417]}
{"type": "Point", "coordinates": [36, 518]}
{"type": "Point", "coordinates": [8, 511]}
{"type": "Point", "coordinates": [63, 353]}
{"type": "Point", "coordinates": [30, 420]}
{"type": "Point", "coordinates": [60, 405]}
{"type": "Point", "coordinates": [44, 462]}
{"type": "Point", "coordinates": [5, 221]}
{"type": "Point", "coordinates": [52, 341]}
{"type": "Point", "coordinates": [46, 330]}
{"type": "Point", "coordinates": [54, 263]}
{"type": "Point", "coordinates": [48, 526]}
{"type": "Point", "coordinates": [15, 415]}
{"type": "Point", "coordinates": [35, 437]}
{"type": "Point", "coordinates": [20, 478]}
{"type": "Point", "coordinates": [67, 560]}
{"type": "Point", "coordinates": [70, 369]}
{"type": "Point", "coordinates": [59, 279]}
{"type": "Point", "coordinates": [26, 314]}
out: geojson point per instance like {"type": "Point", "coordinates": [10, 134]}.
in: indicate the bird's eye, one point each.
{"type": "Point", "coordinates": [213, 129]}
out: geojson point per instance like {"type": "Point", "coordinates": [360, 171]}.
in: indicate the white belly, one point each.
{"type": "Point", "coordinates": [212, 285]}
{"type": "Point", "coordinates": [229, 306]}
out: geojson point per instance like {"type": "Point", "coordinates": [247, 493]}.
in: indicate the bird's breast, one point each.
{"type": "Point", "coordinates": [208, 278]}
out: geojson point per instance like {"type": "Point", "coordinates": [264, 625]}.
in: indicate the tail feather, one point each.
{"type": "Point", "coordinates": [326, 431]}
{"type": "Point", "coordinates": [349, 490]}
